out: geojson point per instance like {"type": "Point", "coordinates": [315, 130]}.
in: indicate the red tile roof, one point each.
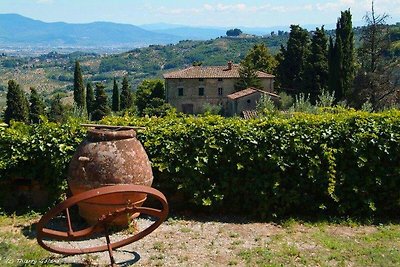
{"type": "Point", "coordinates": [213, 72]}
{"type": "Point", "coordinates": [242, 93]}
{"type": "Point", "coordinates": [249, 91]}
{"type": "Point", "coordinates": [249, 114]}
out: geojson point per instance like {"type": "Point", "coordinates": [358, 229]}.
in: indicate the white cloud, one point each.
{"type": "Point", "coordinates": [239, 11]}
{"type": "Point", "coordinates": [385, 6]}
{"type": "Point", "coordinates": [222, 7]}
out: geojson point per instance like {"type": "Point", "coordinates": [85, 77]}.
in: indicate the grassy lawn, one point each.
{"type": "Point", "coordinates": [18, 246]}
{"type": "Point", "coordinates": [325, 244]}
{"type": "Point", "coordinates": [292, 243]}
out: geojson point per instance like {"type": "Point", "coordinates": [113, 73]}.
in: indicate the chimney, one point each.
{"type": "Point", "coordinates": [229, 65]}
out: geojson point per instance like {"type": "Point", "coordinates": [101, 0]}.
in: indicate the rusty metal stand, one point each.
{"type": "Point", "coordinates": [110, 251]}
{"type": "Point", "coordinates": [103, 223]}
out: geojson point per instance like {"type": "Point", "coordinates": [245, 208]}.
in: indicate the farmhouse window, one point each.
{"type": "Point", "coordinates": [201, 91]}
{"type": "Point", "coordinates": [180, 91]}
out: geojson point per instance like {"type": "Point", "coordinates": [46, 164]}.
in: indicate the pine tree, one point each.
{"type": "Point", "coordinates": [17, 104]}
{"type": "Point", "coordinates": [257, 59]}
{"type": "Point", "coordinates": [126, 95]}
{"type": "Point", "coordinates": [89, 98]}
{"type": "Point", "coordinates": [316, 73]}
{"type": "Point", "coordinates": [115, 97]}
{"type": "Point", "coordinates": [247, 76]}
{"type": "Point", "coordinates": [37, 107]}
{"type": "Point", "coordinates": [293, 58]}
{"type": "Point", "coordinates": [101, 108]}
{"type": "Point", "coordinates": [261, 59]}
{"type": "Point", "coordinates": [57, 110]}
{"type": "Point", "coordinates": [79, 89]}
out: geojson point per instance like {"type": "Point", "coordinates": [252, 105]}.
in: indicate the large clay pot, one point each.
{"type": "Point", "coordinates": [109, 157]}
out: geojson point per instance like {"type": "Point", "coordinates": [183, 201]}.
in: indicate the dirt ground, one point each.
{"type": "Point", "coordinates": [187, 242]}
{"type": "Point", "coordinates": [202, 240]}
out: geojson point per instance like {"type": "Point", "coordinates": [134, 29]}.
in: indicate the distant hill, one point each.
{"type": "Point", "coordinates": [193, 33]}
{"type": "Point", "coordinates": [52, 73]}
{"type": "Point", "coordinates": [206, 33]}
{"type": "Point", "coordinates": [18, 30]}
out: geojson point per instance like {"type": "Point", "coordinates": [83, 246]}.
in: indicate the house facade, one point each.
{"type": "Point", "coordinates": [188, 90]}
{"type": "Point", "coordinates": [246, 100]}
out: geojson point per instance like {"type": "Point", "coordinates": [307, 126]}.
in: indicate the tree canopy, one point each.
{"type": "Point", "coordinates": [115, 97]}
{"type": "Point", "coordinates": [261, 59]}
{"type": "Point", "coordinates": [37, 107]}
{"type": "Point", "coordinates": [17, 104]}
{"type": "Point", "coordinates": [342, 58]}
{"type": "Point", "coordinates": [126, 100]}
{"type": "Point", "coordinates": [292, 59]}
{"type": "Point", "coordinates": [57, 110]}
{"type": "Point", "coordinates": [316, 72]}
{"type": "Point", "coordinates": [375, 80]}
{"type": "Point", "coordinates": [89, 98]}
{"type": "Point", "coordinates": [247, 76]}
{"type": "Point", "coordinates": [79, 89]}
{"type": "Point", "coordinates": [150, 98]}
{"type": "Point", "coordinates": [101, 107]}
{"type": "Point", "coordinates": [234, 32]}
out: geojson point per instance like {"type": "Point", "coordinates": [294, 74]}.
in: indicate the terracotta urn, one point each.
{"type": "Point", "coordinates": [109, 156]}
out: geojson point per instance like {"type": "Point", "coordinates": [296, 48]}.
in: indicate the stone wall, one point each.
{"type": "Point", "coordinates": [191, 97]}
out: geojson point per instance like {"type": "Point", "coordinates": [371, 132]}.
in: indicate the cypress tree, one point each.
{"type": "Point", "coordinates": [115, 97]}
{"type": "Point", "coordinates": [292, 60]}
{"type": "Point", "coordinates": [17, 104]}
{"type": "Point", "coordinates": [57, 110]}
{"type": "Point", "coordinates": [332, 76]}
{"type": "Point", "coordinates": [79, 89]}
{"type": "Point", "coordinates": [89, 98]}
{"type": "Point", "coordinates": [316, 73]}
{"type": "Point", "coordinates": [345, 31]}
{"type": "Point", "coordinates": [37, 106]}
{"type": "Point", "coordinates": [339, 72]}
{"type": "Point", "coordinates": [101, 108]}
{"type": "Point", "coordinates": [126, 95]}
{"type": "Point", "coordinates": [342, 58]}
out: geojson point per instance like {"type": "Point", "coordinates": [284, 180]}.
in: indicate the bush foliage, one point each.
{"type": "Point", "coordinates": [336, 163]}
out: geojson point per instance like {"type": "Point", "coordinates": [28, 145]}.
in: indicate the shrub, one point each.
{"type": "Point", "coordinates": [39, 152]}
{"type": "Point", "coordinates": [336, 163]}
{"type": "Point", "coordinates": [302, 104]}
{"type": "Point", "coordinates": [266, 106]}
{"type": "Point", "coordinates": [342, 164]}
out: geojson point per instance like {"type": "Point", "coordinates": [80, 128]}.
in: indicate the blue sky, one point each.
{"type": "Point", "coordinates": [198, 12]}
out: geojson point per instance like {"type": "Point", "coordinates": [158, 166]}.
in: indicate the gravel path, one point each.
{"type": "Point", "coordinates": [185, 242]}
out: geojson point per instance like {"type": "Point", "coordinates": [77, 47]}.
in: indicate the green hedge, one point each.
{"type": "Point", "coordinates": [341, 164]}
{"type": "Point", "coordinates": [40, 153]}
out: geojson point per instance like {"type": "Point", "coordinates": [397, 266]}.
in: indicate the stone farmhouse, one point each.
{"type": "Point", "coordinates": [188, 90]}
